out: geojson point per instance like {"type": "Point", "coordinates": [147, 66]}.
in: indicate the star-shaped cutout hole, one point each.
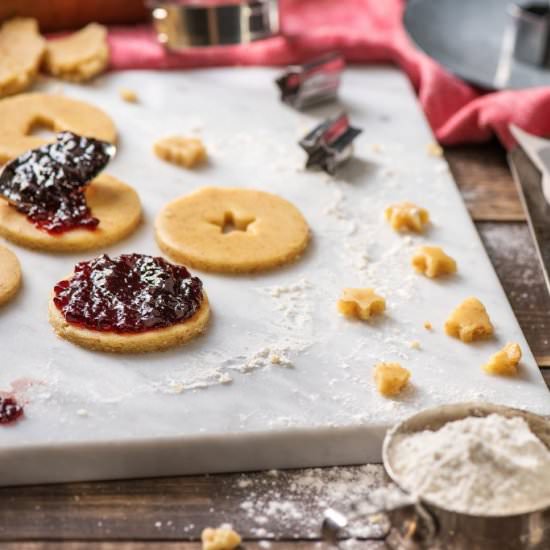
{"type": "Point", "coordinates": [231, 223]}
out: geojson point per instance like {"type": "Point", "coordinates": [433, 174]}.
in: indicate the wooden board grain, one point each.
{"type": "Point", "coordinates": [61, 15]}
{"type": "Point", "coordinates": [485, 182]}
{"type": "Point", "coordinates": [179, 508]}
{"type": "Point", "coordinates": [514, 257]}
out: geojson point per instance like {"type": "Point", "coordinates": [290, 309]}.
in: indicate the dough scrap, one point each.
{"type": "Point", "coordinates": [504, 362]}
{"type": "Point", "coordinates": [130, 96]}
{"type": "Point", "coordinates": [187, 152]}
{"type": "Point", "coordinates": [469, 321]}
{"type": "Point", "coordinates": [433, 262]}
{"type": "Point", "coordinates": [79, 56]}
{"type": "Point", "coordinates": [222, 538]}
{"type": "Point", "coordinates": [268, 231]}
{"type": "Point", "coordinates": [362, 303]}
{"type": "Point", "coordinates": [154, 340]}
{"type": "Point", "coordinates": [10, 275]}
{"type": "Point", "coordinates": [19, 114]}
{"type": "Point", "coordinates": [407, 216]}
{"type": "Point", "coordinates": [115, 204]}
{"type": "Point", "coordinates": [390, 378]}
{"type": "Point", "coordinates": [434, 149]}
{"type": "Point", "coordinates": [21, 51]}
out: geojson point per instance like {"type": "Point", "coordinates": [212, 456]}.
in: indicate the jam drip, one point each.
{"type": "Point", "coordinates": [47, 183]}
{"type": "Point", "coordinates": [10, 410]}
{"type": "Point", "coordinates": [128, 294]}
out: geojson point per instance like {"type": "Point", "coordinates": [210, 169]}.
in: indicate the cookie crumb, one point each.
{"type": "Point", "coordinates": [222, 538]}
{"type": "Point", "coordinates": [434, 149]}
{"type": "Point", "coordinates": [414, 344]}
{"type": "Point", "coordinates": [130, 96]}
{"type": "Point", "coordinates": [428, 325]}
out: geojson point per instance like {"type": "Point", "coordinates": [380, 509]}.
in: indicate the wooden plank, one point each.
{"type": "Point", "coordinates": [514, 257]}
{"type": "Point", "coordinates": [163, 545]}
{"type": "Point", "coordinates": [267, 505]}
{"type": "Point", "coordinates": [56, 15]}
{"type": "Point", "coordinates": [482, 175]}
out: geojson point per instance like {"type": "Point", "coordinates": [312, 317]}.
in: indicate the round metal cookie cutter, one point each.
{"type": "Point", "coordinates": [404, 521]}
{"type": "Point", "coordinates": [182, 24]}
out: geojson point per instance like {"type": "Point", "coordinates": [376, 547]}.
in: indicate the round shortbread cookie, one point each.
{"type": "Point", "coordinates": [19, 114]}
{"type": "Point", "coordinates": [268, 230]}
{"type": "Point", "coordinates": [21, 51]}
{"type": "Point", "coordinates": [154, 340]}
{"type": "Point", "coordinates": [80, 55]}
{"type": "Point", "coordinates": [114, 203]}
{"type": "Point", "coordinates": [10, 275]}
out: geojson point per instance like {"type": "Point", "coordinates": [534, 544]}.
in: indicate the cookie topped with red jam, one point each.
{"type": "Point", "coordinates": [131, 293]}
{"type": "Point", "coordinates": [47, 184]}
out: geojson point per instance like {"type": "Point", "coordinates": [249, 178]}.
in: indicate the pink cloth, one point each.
{"type": "Point", "coordinates": [364, 31]}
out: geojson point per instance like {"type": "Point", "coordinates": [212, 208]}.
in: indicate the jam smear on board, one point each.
{"type": "Point", "coordinates": [47, 184]}
{"type": "Point", "coordinates": [130, 293]}
{"type": "Point", "coordinates": [10, 410]}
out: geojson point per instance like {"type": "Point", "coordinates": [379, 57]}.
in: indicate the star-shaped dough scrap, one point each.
{"type": "Point", "coordinates": [407, 216]}
{"type": "Point", "coordinates": [187, 152]}
{"type": "Point", "coordinates": [433, 262]}
{"type": "Point", "coordinates": [390, 378]}
{"type": "Point", "coordinates": [504, 362]}
{"type": "Point", "coordinates": [362, 303]}
{"type": "Point", "coordinates": [469, 321]}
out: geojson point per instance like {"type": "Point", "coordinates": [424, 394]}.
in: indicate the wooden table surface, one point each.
{"type": "Point", "coordinates": [274, 509]}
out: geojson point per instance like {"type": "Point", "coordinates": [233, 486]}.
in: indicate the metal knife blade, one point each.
{"type": "Point", "coordinates": [538, 151]}
{"type": "Point", "coordinates": [528, 181]}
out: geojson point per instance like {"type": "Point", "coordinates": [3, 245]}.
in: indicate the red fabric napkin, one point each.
{"type": "Point", "coordinates": [364, 31]}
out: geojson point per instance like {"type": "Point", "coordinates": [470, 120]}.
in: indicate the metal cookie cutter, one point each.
{"type": "Point", "coordinates": [530, 31]}
{"type": "Point", "coordinates": [182, 24]}
{"type": "Point", "coordinates": [409, 522]}
{"type": "Point", "coordinates": [314, 82]}
{"type": "Point", "coordinates": [330, 143]}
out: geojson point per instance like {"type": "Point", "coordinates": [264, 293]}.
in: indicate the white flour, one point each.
{"type": "Point", "coordinates": [485, 466]}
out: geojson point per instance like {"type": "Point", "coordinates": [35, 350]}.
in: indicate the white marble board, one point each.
{"type": "Point", "coordinates": [219, 403]}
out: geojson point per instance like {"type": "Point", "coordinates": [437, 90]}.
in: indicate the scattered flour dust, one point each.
{"type": "Point", "coordinates": [268, 355]}
{"type": "Point", "coordinates": [485, 466]}
{"type": "Point", "coordinates": [292, 301]}
{"type": "Point", "coordinates": [298, 499]}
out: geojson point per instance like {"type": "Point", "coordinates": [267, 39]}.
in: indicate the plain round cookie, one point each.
{"type": "Point", "coordinates": [270, 231]}
{"type": "Point", "coordinates": [115, 204]}
{"type": "Point", "coordinates": [10, 275]}
{"type": "Point", "coordinates": [153, 340]}
{"type": "Point", "coordinates": [21, 51]}
{"type": "Point", "coordinates": [19, 114]}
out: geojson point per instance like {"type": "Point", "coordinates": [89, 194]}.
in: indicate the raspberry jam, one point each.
{"type": "Point", "coordinates": [47, 183]}
{"type": "Point", "coordinates": [128, 294]}
{"type": "Point", "coordinates": [10, 410]}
